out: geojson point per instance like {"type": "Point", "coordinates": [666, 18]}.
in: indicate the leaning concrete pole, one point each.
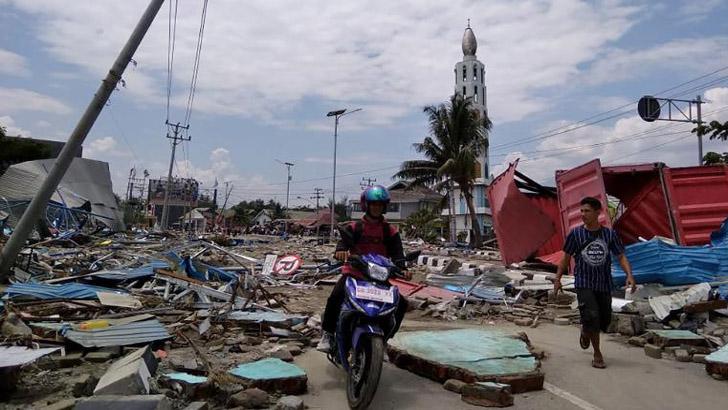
{"type": "Point", "coordinates": [40, 201]}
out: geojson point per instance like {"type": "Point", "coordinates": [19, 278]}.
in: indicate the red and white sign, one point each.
{"type": "Point", "coordinates": [287, 265]}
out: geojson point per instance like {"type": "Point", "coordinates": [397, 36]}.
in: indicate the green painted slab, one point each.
{"type": "Point", "coordinates": [719, 356]}
{"type": "Point", "coordinates": [267, 369]}
{"type": "Point", "coordinates": [677, 334]}
{"type": "Point", "coordinates": [187, 378]}
{"type": "Point", "coordinates": [481, 351]}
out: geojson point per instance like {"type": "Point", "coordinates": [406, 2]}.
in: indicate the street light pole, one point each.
{"type": "Point", "coordinates": [336, 114]}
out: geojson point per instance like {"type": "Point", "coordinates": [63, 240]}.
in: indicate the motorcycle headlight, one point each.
{"type": "Point", "coordinates": [377, 272]}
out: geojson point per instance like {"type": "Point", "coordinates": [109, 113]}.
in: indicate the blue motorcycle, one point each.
{"type": "Point", "coordinates": [366, 322]}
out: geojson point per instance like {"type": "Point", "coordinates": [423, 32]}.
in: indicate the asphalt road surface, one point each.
{"type": "Point", "coordinates": [631, 381]}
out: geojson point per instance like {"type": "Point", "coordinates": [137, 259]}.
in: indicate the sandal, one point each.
{"type": "Point", "coordinates": [598, 364]}
{"type": "Point", "coordinates": [584, 341]}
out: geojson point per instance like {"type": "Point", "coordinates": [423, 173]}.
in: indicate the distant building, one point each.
{"type": "Point", "coordinates": [17, 149]}
{"type": "Point", "coordinates": [184, 195]}
{"type": "Point", "coordinates": [470, 83]}
{"type": "Point", "coordinates": [405, 201]}
{"type": "Point", "coordinates": [262, 218]}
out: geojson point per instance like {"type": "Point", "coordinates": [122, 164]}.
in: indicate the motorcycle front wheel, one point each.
{"type": "Point", "coordinates": [366, 367]}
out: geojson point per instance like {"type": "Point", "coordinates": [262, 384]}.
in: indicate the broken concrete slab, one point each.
{"type": "Point", "coordinates": [682, 355]}
{"type": "Point", "coordinates": [190, 386]}
{"type": "Point", "coordinates": [134, 402]}
{"type": "Point", "coordinates": [716, 363]}
{"type": "Point", "coordinates": [470, 355]}
{"type": "Point", "coordinates": [664, 338]}
{"type": "Point", "coordinates": [488, 394]}
{"type": "Point", "coordinates": [128, 375]}
{"type": "Point", "coordinates": [653, 351]}
{"type": "Point", "coordinates": [273, 375]}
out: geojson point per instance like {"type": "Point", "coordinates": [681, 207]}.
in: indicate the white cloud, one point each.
{"type": "Point", "coordinates": [17, 99]}
{"type": "Point", "coordinates": [12, 129]}
{"type": "Point", "coordinates": [628, 141]}
{"type": "Point", "coordinates": [13, 64]}
{"type": "Point", "coordinates": [105, 149]}
{"type": "Point", "coordinates": [262, 59]}
{"type": "Point", "coordinates": [695, 11]}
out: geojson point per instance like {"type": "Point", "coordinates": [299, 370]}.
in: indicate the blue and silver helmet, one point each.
{"type": "Point", "coordinates": [376, 193]}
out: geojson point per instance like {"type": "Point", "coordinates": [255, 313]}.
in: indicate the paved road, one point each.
{"type": "Point", "coordinates": [632, 381]}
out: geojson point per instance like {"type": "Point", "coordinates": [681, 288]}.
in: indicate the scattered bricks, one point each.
{"type": "Point", "coordinates": [454, 385]}
{"type": "Point", "coordinates": [699, 358]}
{"type": "Point", "coordinates": [197, 405]}
{"type": "Point", "coordinates": [70, 360]}
{"type": "Point", "coordinates": [290, 403]}
{"type": "Point", "coordinates": [67, 404]}
{"type": "Point", "coordinates": [99, 357]}
{"type": "Point", "coordinates": [653, 351]}
{"type": "Point", "coordinates": [250, 399]}
{"type": "Point", "coordinates": [628, 325]}
{"type": "Point", "coordinates": [562, 321]}
{"type": "Point", "coordinates": [488, 394]}
{"type": "Point", "coordinates": [128, 375]}
{"type": "Point", "coordinates": [134, 402]}
{"type": "Point", "coordinates": [638, 341]}
{"type": "Point", "coordinates": [84, 385]}
{"type": "Point", "coordinates": [682, 355]}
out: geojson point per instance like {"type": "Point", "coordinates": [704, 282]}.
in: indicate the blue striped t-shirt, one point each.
{"type": "Point", "coordinates": [591, 251]}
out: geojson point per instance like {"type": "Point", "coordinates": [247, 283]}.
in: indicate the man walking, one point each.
{"type": "Point", "coordinates": [591, 245]}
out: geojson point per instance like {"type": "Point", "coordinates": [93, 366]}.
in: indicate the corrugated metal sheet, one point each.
{"type": "Point", "coordinates": [550, 207]}
{"type": "Point", "coordinates": [656, 261]}
{"type": "Point", "coordinates": [120, 335]}
{"type": "Point", "coordinates": [573, 185]}
{"type": "Point", "coordinates": [699, 201]}
{"type": "Point", "coordinates": [62, 291]}
{"type": "Point", "coordinates": [122, 275]}
{"type": "Point", "coordinates": [646, 214]}
{"type": "Point", "coordinates": [514, 213]}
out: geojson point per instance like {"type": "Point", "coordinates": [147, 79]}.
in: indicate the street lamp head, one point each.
{"type": "Point", "coordinates": [335, 113]}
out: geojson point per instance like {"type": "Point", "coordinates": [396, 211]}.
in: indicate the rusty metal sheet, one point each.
{"type": "Point", "coordinates": [575, 184]}
{"type": "Point", "coordinates": [521, 227]}
{"type": "Point", "coordinates": [698, 201]}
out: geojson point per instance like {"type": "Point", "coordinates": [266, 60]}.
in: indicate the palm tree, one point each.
{"type": "Point", "coordinates": [458, 135]}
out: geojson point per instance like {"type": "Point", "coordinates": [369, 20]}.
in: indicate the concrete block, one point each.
{"type": "Point", "coordinates": [290, 403]}
{"type": "Point", "coordinates": [250, 399]}
{"type": "Point", "coordinates": [682, 355]}
{"type": "Point", "coordinates": [653, 351]}
{"type": "Point", "coordinates": [128, 375]}
{"type": "Point", "coordinates": [488, 394]}
{"type": "Point", "coordinates": [84, 385]}
{"type": "Point", "coordinates": [454, 385]}
{"type": "Point", "coordinates": [134, 402]}
{"type": "Point", "coordinates": [699, 358]}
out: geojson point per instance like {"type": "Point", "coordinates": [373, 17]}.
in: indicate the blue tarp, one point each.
{"type": "Point", "coordinates": [656, 261]}
{"type": "Point", "coordinates": [210, 273]}
{"type": "Point", "coordinates": [62, 291]}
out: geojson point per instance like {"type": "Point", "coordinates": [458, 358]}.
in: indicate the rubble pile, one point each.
{"type": "Point", "coordinates": [159, 320]}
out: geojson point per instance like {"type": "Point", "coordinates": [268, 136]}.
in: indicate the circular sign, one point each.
{"type": "Point", "coordinates": [287, 265]}
{"type": "Point", "coordinates": [648, 108]}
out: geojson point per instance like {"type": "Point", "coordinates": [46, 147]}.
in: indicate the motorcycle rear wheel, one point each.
{"type": "Point", "coordinates": [363, 377]}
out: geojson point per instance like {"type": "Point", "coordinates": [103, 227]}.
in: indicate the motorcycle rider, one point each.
{"type": "Point", "coordinates": [371, 234]}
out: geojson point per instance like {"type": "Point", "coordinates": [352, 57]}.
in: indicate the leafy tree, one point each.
{"type": "Point", "coordinates": [341, 209]}
{"type": "Point", "coordinates": [457, 137]}
{"type": "Point", "coordinates": [424, 224]}
{"type": "Point", "coordinates": [715, 129]}
{"type": "Point", "coordinates": [713, 158]}
{"type": "Point", "coordinates": [3, 132]}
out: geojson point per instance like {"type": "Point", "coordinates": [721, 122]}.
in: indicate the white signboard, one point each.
{"type": "Point", "coordinates": [270, 261]}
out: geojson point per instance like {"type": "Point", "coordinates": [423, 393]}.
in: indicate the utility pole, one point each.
{"type": "Point", "coordinates": [336, 114]}
{"type": "Point", "coordinates": [60, 166]}
{"type": "Point", "coordinates": [367, 182]}
{"type": "Point", "coordinates": [318, 195]}
{"type": "Point", "coordinates": [288, 181]}
{"type": "Point", "coordinates": [176, 140]}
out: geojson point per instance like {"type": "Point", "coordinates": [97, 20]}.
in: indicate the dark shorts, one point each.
{"type": "Point", "coordinates": [595, 309]}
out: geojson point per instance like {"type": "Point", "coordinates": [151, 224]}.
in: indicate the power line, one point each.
{"type": "Point", "coordinates": [196, 64]}
{"type": "Point", "coordinates": [171, 40]}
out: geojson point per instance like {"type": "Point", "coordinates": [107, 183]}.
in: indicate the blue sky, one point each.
{"type": "Point", "coordinates": [271, 70]}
